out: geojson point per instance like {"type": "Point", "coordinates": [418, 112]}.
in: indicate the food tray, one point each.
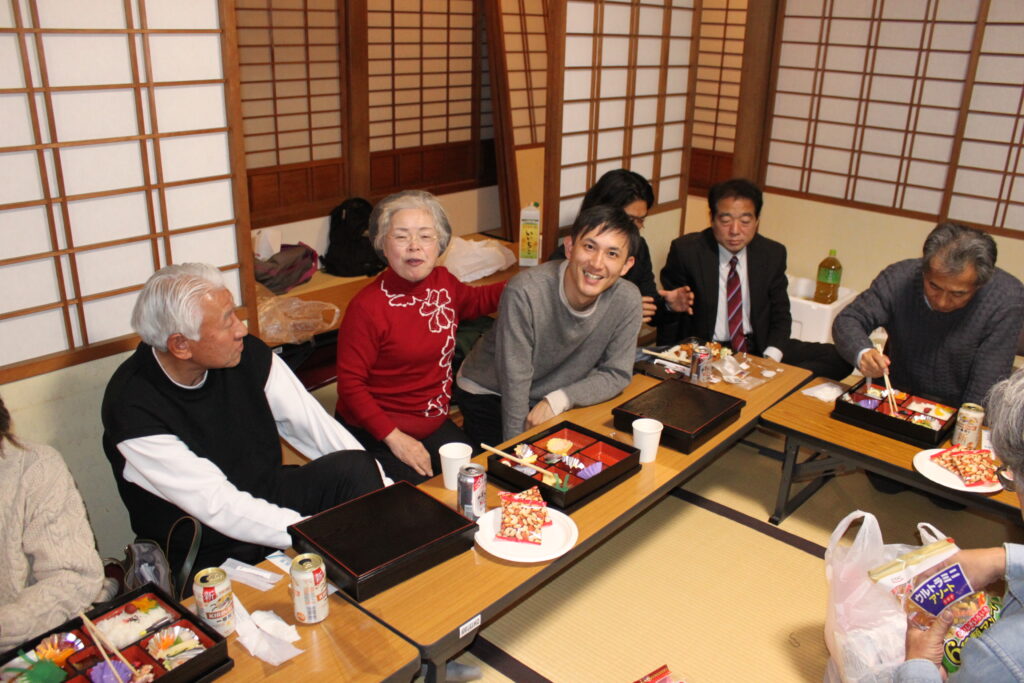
{"type": "Point", "coordinates": [691, 414]}
{"type": "Point", "coordinates": [619, 460]}
{"type": "Point", "coordinates": [383, 538]}
{"type": "Point", "coordinates": [207, 666]}
{"type": "Point", "coordinates": [848, 410]}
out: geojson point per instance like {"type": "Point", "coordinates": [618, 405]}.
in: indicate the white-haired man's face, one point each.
{"type": "Point", "coordinates": [220, 334]}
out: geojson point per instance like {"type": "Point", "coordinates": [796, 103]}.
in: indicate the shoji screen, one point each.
{"type": "Point", "coordinates": [115, 155]}
{"type": "Point", "coordinates": [721, 27]}
{"type": "Point", "coordinates": [423, 83]}
{"type": "Point", "coordinates": [914, 106]}
{"type": "Point", "coordinates": [624, 99]}
{"type": "Point", "coordinates": [290, 65]}
{"type": "Point", "coordinates": [524, 30]}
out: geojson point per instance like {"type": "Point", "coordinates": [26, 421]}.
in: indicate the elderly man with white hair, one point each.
{"type": "Point", "coordinates": [998, 653]}
{"type": "Point", "coordinates": [192, 423]}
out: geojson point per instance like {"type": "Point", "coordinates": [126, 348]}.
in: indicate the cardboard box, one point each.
{"type": "Point", "coordinates": [207, 666]}
{"type": "Point", "coordinates": [383, 538]}
{"type": "Point", "coordinates": [619, 460]}
{"type": "Point", "coordinates": [691, 414]}
{"type": "Point", "coordinates": [886, 425]}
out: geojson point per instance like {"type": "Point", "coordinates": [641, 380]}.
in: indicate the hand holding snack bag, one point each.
{"type": "Point", "coordinates": [946, 600]}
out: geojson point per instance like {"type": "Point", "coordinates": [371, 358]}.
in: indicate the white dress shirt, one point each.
{"type": "Point", "coordinates": [722, 320]}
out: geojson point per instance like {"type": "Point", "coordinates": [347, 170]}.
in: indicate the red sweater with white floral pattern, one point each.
{"type": "Point", "coordinates": [395, 349]}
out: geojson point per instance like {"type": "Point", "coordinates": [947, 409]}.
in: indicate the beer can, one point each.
{"type": "Point", "coordinates": [472, 491]}
{"type": "Point", "coordinates": [700, 364]}
{"type": "Point", "coordinates": [215, 600]}
{"type": "Point", "coordinates": [309, 588]}
{"type": "Point", "coordinates": [967, 433]}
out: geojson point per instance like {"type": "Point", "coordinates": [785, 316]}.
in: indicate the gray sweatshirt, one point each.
{"type": "Point", "coordinates": [541, 345]}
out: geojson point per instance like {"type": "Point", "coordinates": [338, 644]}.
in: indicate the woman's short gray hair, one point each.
{"type": "Point", "coordinates": [384, 212]}
{"type": "Point", "coordinates": [1005, 406]}
{"type": "Point", "coordinates": [957, 246]}
{"type": "Point", "coordinates": [169, 302]}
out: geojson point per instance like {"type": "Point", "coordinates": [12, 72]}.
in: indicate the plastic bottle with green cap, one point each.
{"type": "Point", "coordinates": [830, 272]}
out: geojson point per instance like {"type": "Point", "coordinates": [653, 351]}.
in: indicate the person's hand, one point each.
{"type": "Point", "coordinates": [928, 644]}
{"type": "Point", "coordinates": [539, 413]}
{"type": "Point", "coordinates": [873, 363]}
{"type": "Point", "coordinates": [679, 300]}
{"type": "Point", "coordinates": [649, 308]}
{"type": "Point", "coordinates": [982, 566]}
{"type": "Point", "coordinates": [410, 451]}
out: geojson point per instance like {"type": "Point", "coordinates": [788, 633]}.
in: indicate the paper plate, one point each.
{"type": "Point", "coordinates": [558, 538]}
{"type": "Point", "coordinates": [940, 475]}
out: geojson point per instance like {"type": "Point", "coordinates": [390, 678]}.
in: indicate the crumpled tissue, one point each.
{"type": "Point", "coordinates": [827, 392]}
{"type": "Point", "coordinates": [265, 635]}
{"type": "Point", "coordinates": [470, 260]}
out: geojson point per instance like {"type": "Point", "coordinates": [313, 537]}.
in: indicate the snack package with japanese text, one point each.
{"type": "Point", "coordinates": [897, 576]}
{"type": "Point", "coordinates": [948, 588]}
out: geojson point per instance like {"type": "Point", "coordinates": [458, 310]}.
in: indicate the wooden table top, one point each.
{"type": "Point", "coordinates": [347, 646]}
{"type": "Point", "coordinates": [810, 417]}
{"type": "Point", "coordinates": [430, 608]}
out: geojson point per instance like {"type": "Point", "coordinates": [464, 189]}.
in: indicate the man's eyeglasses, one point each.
{"type": "Point", "coordinates": [1005, 476]}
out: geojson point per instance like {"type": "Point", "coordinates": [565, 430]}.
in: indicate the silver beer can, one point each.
{"type": "Point", "coordinates": [472, 491]}
{"type": "Point", "coordinates": [215, 600]}
{"type": "Point", "coordinates": [700, 364]}
{"type": "Point", "coordinates": [967, 433]}
{"type": "Point", "coordinates": [309, 588]}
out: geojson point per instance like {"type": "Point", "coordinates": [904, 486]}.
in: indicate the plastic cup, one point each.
{"type": "Point", "coordinates": [453, 457]}
{"type": "Point", "coordinates": [646, 437]}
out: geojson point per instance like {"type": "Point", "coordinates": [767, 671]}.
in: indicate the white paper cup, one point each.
{"type": "Point", "coordinates": [453, 457]}
{"type": "Point", "coordinates": [646, 436]}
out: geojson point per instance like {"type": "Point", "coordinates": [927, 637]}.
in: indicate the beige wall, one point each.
{"type": "Point", "coordinates": [468, 212]}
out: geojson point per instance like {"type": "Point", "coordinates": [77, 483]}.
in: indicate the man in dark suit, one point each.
{"type": "Point", "coordinates": [738, 281]}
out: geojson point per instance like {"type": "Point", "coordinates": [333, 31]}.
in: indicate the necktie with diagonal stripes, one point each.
{"type": "Point", "coordinates": [734, 299]}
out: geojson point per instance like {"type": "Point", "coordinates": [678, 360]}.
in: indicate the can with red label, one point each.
{"type": "Point", "coordinates": [967, 433]}
{"type": "Point", "coordinates": [309, 588]}
{"type": "Point", "coordinates": [215, 600]}
{"type": "Point", "coordinates": [472, 491]}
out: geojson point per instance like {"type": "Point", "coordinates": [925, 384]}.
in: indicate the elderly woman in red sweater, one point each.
{"type": "Point", "coordinates": [396, 341]}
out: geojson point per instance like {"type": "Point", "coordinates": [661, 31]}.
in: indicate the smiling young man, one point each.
{"type": "Point", "coordinates": [953, 319]}
{"type": "Point", "coordinates": [565, 335]}
{"type": "Point", "coordinates": [192, 424]}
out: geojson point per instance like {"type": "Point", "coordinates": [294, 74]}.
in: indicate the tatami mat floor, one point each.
{"type": "Point", "coordinates": [702, 583]}
{"type": "Point", "coordinates": [714, 598]}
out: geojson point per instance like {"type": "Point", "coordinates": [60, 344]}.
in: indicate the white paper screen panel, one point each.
{"type": "Point", "coordinates": [289, 61]}
{"type": "Point", "coordinates": [115, 156]}
{"type": "Point", "coordinates": [524, 30]}
{"type": "Point", "coordinates": [420, 53]}
{"type": "Point", "coordinates": [624, 102]}
{"type": "Point", "coordinates": [875, 104]}
{"type": "Point", "coordinates": [719, 62]}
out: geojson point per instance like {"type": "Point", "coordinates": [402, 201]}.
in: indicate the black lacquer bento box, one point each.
{"type": "Point", "coordinates": [691, 414]}
{"type": "Point", "coordinates": [923, 421]}
{"type": "Point", "coordinates": [154, 604]}
{"type": "Point", "coordinates": [618, 461]}
{"type": "Point", "coordinates": [383, 538]}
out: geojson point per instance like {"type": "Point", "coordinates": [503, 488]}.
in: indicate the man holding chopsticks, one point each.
{"type": "Point", "coordinates": [953, 319]}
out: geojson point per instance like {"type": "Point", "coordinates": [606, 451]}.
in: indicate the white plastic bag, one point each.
{"type": "Point", "coordinates": [470, 260]}
{"type": "Point", "coordinates": [865, 625]}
